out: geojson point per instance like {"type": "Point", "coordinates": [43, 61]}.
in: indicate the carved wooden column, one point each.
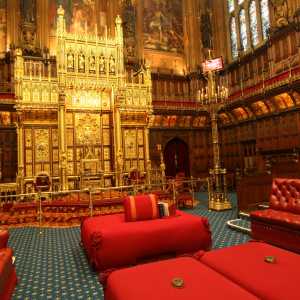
{"type": "Point", "coordinates": [112, 12]}
{"type": "Point", "coordinates": [20, 138]}
{"type": "Point", "coordinates": [293, 6]}
{"type": "Point", "coordinates": [13, 21]}
{"type": "Point", "coordinates": [43, 26]}
{"type": "Point", "coordinates": [62, 142]}
{"type": "Point", "coordinates": [18, 79]}
{"type": "Point", "coordinates": [221, 28]}
{"type": "Point", "coordinates": [259, 21]}
{"type": "Point", "coordinates": [119, 154]}
{"type": "Point", "coordinates": [186, 32]}
{"type": "Point", "coordinates": [140, 29]}
{"type": "Point", "coordinates": [3, 28]}
{"type": "Point", "coordinates": [147, 155]}
{"type": "Point", "coordinates": [192, 14]}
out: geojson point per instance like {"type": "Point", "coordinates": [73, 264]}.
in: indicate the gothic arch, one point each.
{"type": "Point", "coordinates": [176, 157]}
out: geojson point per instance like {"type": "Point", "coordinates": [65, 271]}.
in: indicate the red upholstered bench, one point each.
{"type": "Point", "coordinates": [153, 281]}
{"type": "Point", "coordinates": [247, 265]}
{"type": "Point", "coordinates": [239, 272]}
{"type": "Point", "coordinates": [4, 235]}
{"type": "Point", "coordinates": [110, 242]}
{"type": "Point", "coordinates": [280, 224]}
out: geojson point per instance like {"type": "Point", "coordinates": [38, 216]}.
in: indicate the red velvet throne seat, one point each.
{"type": "Point", "coordinates": [280, 223]}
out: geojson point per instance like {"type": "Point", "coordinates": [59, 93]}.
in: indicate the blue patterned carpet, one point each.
{"type": "Point", "coordinates": [52, 265]}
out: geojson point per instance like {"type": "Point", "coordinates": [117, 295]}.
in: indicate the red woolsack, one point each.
{"type": "Point", "coordinates": [140, 207]}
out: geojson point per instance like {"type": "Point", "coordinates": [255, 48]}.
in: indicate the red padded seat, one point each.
{"type": "Point", "coordinates": [278, 217]}
{"type": "Point", "coordinates": [4, 235]}
{"type": "Point", "coordinates": [246, 266]}
{"type": "Point", "coordinates": [111, 242]}
{"type": "Point", "coordinates": [153, 281]}
{"type": "Point", "coordinates": [280, 224]}
{"type": "Point", "coordinates": [8, 277]}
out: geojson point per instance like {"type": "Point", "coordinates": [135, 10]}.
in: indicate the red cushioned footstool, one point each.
{"type": "Point", "coordinates": [182, 278]}
{"type": "Point", "coordinates": [111, 242]}
{"type": "Point", "coordinates": [8, 277]}
{"type": "Point", "coordinates": [264, 270]}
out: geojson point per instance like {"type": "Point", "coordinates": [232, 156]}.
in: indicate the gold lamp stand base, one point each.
{"type": "Point", "coordinates": [218, 206]}
{"type": "Point", "coordinates": [219, 201]}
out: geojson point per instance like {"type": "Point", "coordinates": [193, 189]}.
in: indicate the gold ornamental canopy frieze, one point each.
{"type": "Point", "coordinates": [90, 83]}
{"type": "Point", "coordinates": [39, 116]}
{"type": "Point", "coordinates": [134, 118]}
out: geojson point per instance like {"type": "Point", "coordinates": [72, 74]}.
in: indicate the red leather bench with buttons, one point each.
{"type": "Point", "coordinates": [280, 223]}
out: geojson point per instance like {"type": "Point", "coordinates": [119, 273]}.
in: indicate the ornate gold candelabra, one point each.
{"type": "Point", "coordinates": [213, 98]}
{"type": "Point", "coordinates": [162, 166]}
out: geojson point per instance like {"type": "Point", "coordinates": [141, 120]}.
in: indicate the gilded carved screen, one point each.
{"type": "Point", "coordinates": [3, 25]}
{"type": "Point", "coordinates": [133, 139]}
{"type": "Point", "coordinates": [89, 133]}
{"type": "Point", "coordinates": [163, 25]}
{"type": "Point", "coordinates": [41, 151]}
{"type": "Point", "coordinates": [83, 99]}
{"type": "Point", "coordinates": [87, 128]}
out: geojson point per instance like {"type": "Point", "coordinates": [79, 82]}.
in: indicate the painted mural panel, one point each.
{"type": "Point", "coordinates": [163, 25]}
{"type": "Point", "coordinates": [81, 15]}
{"type": "Point", "coordinates": [2, 25]}
{"type": "Point", "coordinates": [28, 10]}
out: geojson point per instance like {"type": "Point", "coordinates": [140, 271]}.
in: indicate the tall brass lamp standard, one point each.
{"type": "Point", "coordinates": [213, 98]}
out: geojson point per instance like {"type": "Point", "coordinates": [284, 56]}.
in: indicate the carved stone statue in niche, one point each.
{"type": "Point", "coordinates": [206, 29]}
{"type": "Point", "coordinates": [120, 160]}
{"type": "Point", "coordinates": [92, 64]}
{"type": "Point", "coordinates": [112, 65]}
{"type": "Point", "coordinates": [281, 12]}
{"type": "Point", "coordinates": [81, 63]}
{"type": "Point", "coordinates": [102, 64]}
{"type": "Point", "coordinates": [70, 62]}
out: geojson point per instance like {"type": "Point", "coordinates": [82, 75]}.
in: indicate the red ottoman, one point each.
{"type": "Point", "coordinates": [110, 242]}
{"type": "Point", "coordinates": [153, 281]}
{"type": "Point", "coordinates": [246, 266]}
{"type": "Point", "coordinates": [8, 277]}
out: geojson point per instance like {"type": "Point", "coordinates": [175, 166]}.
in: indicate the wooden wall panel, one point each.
{"type": "Point", "coordinates": [8, 154]}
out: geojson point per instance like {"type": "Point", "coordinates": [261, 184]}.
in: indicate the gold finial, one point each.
{"type": "Point", "coordinates": [209, 54]}
{"type": "Point", "coordinates": [118, 20]}
{"type": "Point", "coordinates": [60, 11]}
{"type": "Point", "coordinates": [18, 52]}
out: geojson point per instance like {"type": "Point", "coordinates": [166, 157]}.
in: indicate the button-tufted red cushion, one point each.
{"type": "Point", "coordinates": [273, 216]}
{"type": "Point", "coordinates": [285, 195]}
